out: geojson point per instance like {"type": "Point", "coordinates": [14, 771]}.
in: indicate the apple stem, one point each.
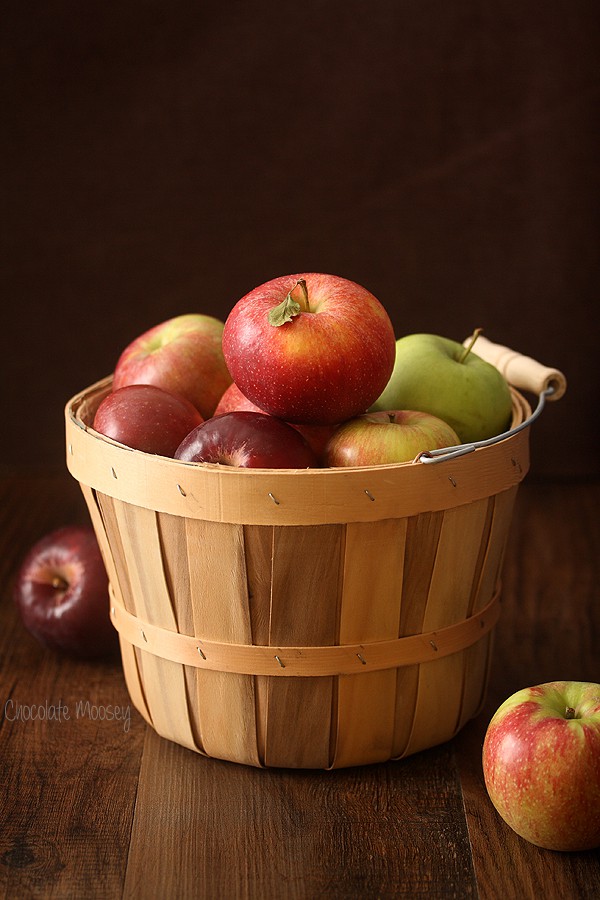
{"type": "Point", "coordinates": [59, 583]}
{"type": "Point", "coordinates": [288, 308]}
{"type": "Point", "coordinates": [569, 713]}
{"type": "Point", "coordinates": [304, 304]}
{"type": "Point", "coordinates": [392, 416]}
{"type": "Point", "coordinates": [469, 346]}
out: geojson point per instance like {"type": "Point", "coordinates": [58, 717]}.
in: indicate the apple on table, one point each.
{"type": "Point", "coordinates": [146, 418]}
{"type": "Point", "coordinates": [183, 355]}
{"type": "Point", "coordinates": [311, 348]}
{"type": "Point", "coordinates": [61, 592]}
{"type": "Point", "coordinates": [249, 440]}
{"type": "Point", "coordinates": [440, 376]}
{"type": "Point", "coordinates": [391, 436]}
{"type": "Point", "coordinates": [541, 764]}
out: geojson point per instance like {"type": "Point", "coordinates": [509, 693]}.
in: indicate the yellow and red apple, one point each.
{"type": "Point", "coordinates": [183, 355]}
{"type": "Point", "coordinates": [392, 436]}
{"type": "Point", "coordinates": [541, 764]}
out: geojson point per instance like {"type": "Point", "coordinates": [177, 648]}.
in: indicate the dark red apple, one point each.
{"type": "Point", "coordinates": [146, 418]}
{"type": "Point", "coordinates": [61, 592]}
{"type": "Point", "coordinates": [247, 439]}
{"type": "Point", "coordinates": [234, 401]}
{"type": "Point", "coordinates": [311, 349]}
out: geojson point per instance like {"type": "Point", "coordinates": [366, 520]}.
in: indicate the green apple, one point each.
{"type": "Point", "coordinates": [437, 375]}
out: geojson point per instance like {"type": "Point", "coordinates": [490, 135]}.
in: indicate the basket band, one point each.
{"type": "Point", "coordinates": [346, 659]}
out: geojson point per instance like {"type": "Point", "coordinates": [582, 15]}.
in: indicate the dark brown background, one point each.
{"type": "Point", "coordinates": [159, 159]}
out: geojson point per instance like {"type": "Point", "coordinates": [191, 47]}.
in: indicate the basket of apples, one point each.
{"type": "Point", "coordinates": [303, 521]}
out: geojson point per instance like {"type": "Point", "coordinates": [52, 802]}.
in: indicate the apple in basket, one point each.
{"type": "Point", "coordinates": [541, 764]}
{"type": "Point", "coordinates": [311, 349]}
{"type": "Point", "coordinates": [234, 401]}
{"type": "Point", "coordinates": [61, 592]}
{"type": "Point", "coordinates": [393, 436]}
{"type": "Point", "coordinates": [247, 439]}
{"type": "Point", "coordinates": [146, 418]}
{"type": "Point", "coordinates": [183, 355]}
{"type": "Point", "coordinates": [442, 377]}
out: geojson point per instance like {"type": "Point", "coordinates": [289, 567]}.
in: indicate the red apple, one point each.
{"type": "Point", "coordinates": [234, 401]}
{"type": "Point", "coordinates": [183, 356]}
{"type": "Point", "coordinates": [317, 436]}
{"type": "Point", "coordinates": [393, 436]}
{"type": "Point", "coordinates": [146, 418]}
{"type": "Point", "coordinates": [61, 592]}
{"type": "Point", "coordinates": [311, 349]}
{"type": "Point", "coordinates": [247, 439]}
{"type": "Point", "coordinates": [541, 764]}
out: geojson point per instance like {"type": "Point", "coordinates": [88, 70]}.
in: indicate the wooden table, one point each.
{"type": "Point", "coordinates": [106, 808]}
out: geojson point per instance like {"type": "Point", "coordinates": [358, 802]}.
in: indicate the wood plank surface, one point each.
{"type": "Point", "coordinates": [90, 809]}
{"type": "Point", "coordinates": [67, 785]}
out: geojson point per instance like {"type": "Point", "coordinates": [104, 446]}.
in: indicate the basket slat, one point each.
{"type": "Point", "coordinates": [422, 539]}
{"type": "Point", "coordinates": [454, 573]}
{"type": "Point", "coordinates": [467, 706]}
{"type": "Point", "coordinates": [370, 611]}
{"type": "Point", "coordinates": [172, 535]}
{"type": "Point", "coordinates": [476, 657]}
{"type": "Point", "coordinates": [128, 652]}
{"type": "Point", "coordinates": [258, 542]}
{"type": "Point", "coordinates": [220, 609]}
{"type": "Point", "coordinates": [300, 709]}
{"type": "Point", "coordinates": [122, 588]}
{"type": "Point", "coordinates": [165, 682]}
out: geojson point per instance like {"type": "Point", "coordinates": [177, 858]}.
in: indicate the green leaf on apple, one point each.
{"type": "Point", "coordinates": [288, 308]}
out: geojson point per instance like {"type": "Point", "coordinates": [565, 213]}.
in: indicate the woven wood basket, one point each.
{"type": "Point", "coordinates": [306, 619]}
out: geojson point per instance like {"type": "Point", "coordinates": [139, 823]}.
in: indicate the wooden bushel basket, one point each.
{"type": "Point", "coordinates": [308, 619]}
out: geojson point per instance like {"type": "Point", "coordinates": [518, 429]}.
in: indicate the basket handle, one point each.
{"type": "Point", "coordinates": [519, 370]}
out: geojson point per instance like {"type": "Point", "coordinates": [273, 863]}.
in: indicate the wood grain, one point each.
{"type": "Point", "coordinates": [450, 590]}
{"type": "Point", "coordinates": [238, 832]}
{"type": "Point", "coordinates": [299, 711]}
{"type": "Point", "coordinates": [549, 629]}
{"type": "Point", "coordinates": [258, 544]}
{"type": "Point", "coordinates": [220, 609]}
{"type": "Point", "coordinates": [370, 611]}
{"type": "Point", "coordinates": [68, 785]}
{"type": "Point", "coordinates": [87, 809]}
{"type": "Point", "coordinates": [163, 680]}
{"type": "Point", "coordinates": [121, 584]}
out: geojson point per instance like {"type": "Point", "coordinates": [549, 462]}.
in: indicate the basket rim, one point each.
{"type": "Point", "coordinates": [286, 496]}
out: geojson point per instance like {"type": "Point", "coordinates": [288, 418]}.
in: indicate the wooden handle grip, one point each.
{"type": "Point", "coordinates": [520, 371]}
